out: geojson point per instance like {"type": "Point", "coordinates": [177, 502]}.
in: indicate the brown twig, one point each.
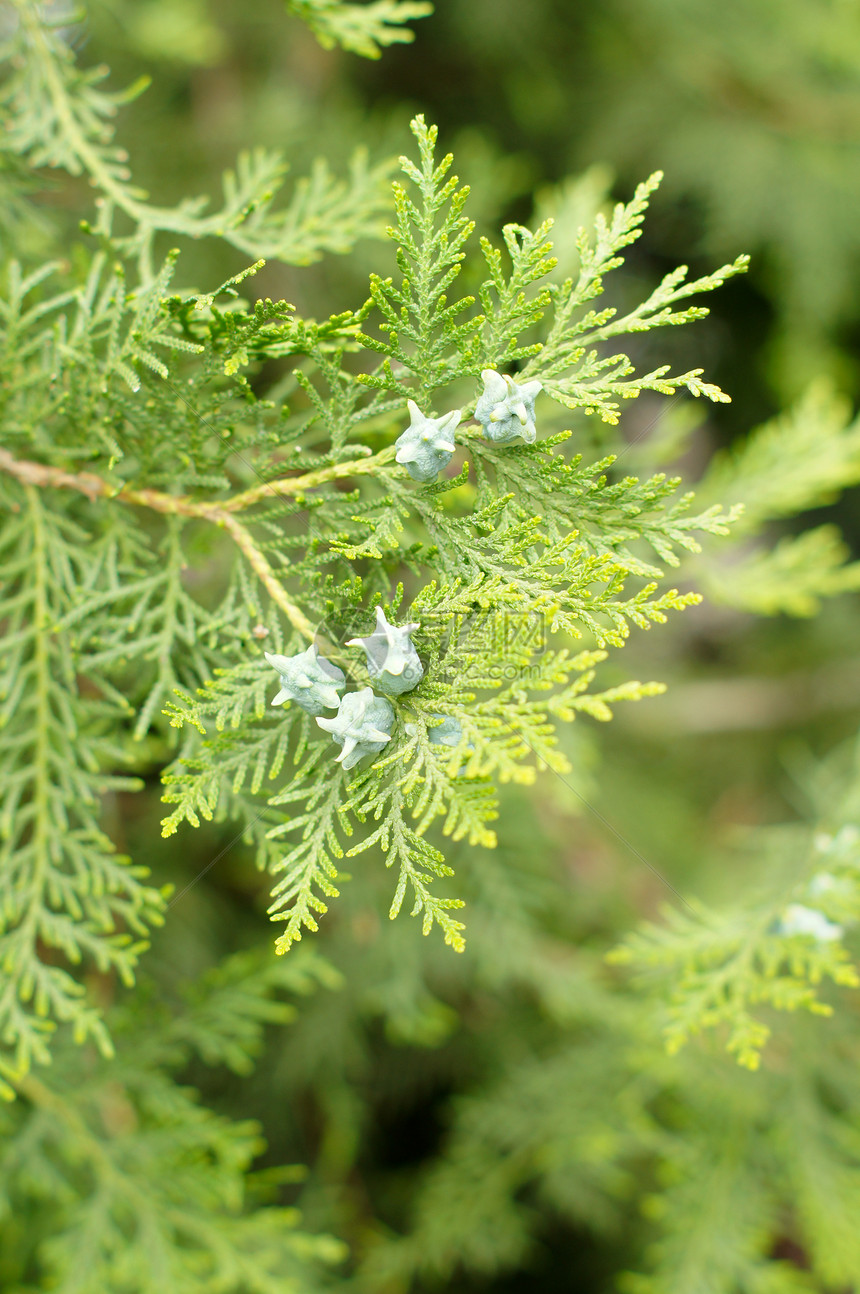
{"type": "Point", "coordinates": [220, 513]}
{"type": "Point", "coordinates": [260, 565]}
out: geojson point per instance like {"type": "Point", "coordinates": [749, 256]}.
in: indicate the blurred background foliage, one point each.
{"type": "Point", "coordinates": [508, 1120]}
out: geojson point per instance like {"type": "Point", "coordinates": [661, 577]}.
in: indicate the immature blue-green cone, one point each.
{"type": "Point", "coordinates": [392, 661]}
{"type": "Point", "coordinates": [800, 920]}
{"type": "Point", "coordinates": [447, 733]}
{"type": "Point", "coordinates": [426, 446]}
{"type": "Point", "coordinates": [308, 679]}
{"type": "Point", "coordinates": [506, 410]}
{"type": "Point", "coordinates": [362, 726]}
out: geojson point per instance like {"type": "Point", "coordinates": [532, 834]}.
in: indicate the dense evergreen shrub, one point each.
{"type": "Point", "coordinates": [193, 479]}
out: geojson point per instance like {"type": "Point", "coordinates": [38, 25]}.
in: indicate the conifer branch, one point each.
{"type": "Point", "coordinates": [113, 1173]}
{"type": "Point", "coordinates": [72, 129]}
{"type": "Point", "coordinates": [220, 514]}
{"type": "Point", "coordinates": [95, 487]}
{"type": "Point", "coordinates": [165, 1190]}
{"type": "Point", "coordinates": [88, 158]}
{"type": "Point", "coordinates": [296, 485]}
{"type": "Point", "coordinates": [261, 567]}
{"type": "Point", "coordinates": [480, 560]}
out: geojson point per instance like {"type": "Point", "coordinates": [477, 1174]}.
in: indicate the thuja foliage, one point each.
{"type": "Point", "coordinates": [704, 92]}
{"type": "Point", "coordinates": [149, 442]}
{"type": "Point", "coordinates": [362, 28]}
{"type": "Point", "coordinates": [228, 548]}
{"type": "Point", "coordinates": [123, 1180]}
{"type": "Point", "coordinates": [501, 563]}
{"type": "Point", "coordinates": [58, 114]}
{"type": "Point", "coordinates": [801, 460]}
{"type": "Point", "coordinates": [694, 1173]}
{"type": "Point", "coordinates": [486, 576]}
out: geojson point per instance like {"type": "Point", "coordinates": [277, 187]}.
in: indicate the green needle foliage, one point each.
{"type": "Point", "coordinates": [501, 563]}
{"type": "Point", "coordinates": [801, 460]}
{"type": "Point", "coordinates": [190, 480]}
{"type": "Point", "coordinates": [65, 887]}
{"type": "Point", "coordinates": [480, 563]}
{"type": "Point", "coordinates": [364, 29]}
{"type": "Point", "coordinates": [58, 116]}
{"type": "Point", "coordinates": [128, 1182]}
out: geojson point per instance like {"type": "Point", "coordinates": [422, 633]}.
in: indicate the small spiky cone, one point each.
{"type": "Point", "coordinates": [426, 446]}
{"type": "Point", "coordinates": [308, 679]}
{"type": "Point", "coordinates": [392, 661]}
{"type": "Point", "coordinates": [506, 410]}
{"type": "Point", "coordinates": [362, 726]}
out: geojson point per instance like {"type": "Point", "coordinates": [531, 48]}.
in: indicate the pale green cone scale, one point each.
{"type": "Point", "coordinates": [426, 446]}
{"type": "Point", "coordinates": [505, 409]}
{"type": "Point", "coordinates": [362, 726]}
{"type": "Point", "coordinates": [308, 679]}
{"type": "Point", "coordinates": [392, 661]}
